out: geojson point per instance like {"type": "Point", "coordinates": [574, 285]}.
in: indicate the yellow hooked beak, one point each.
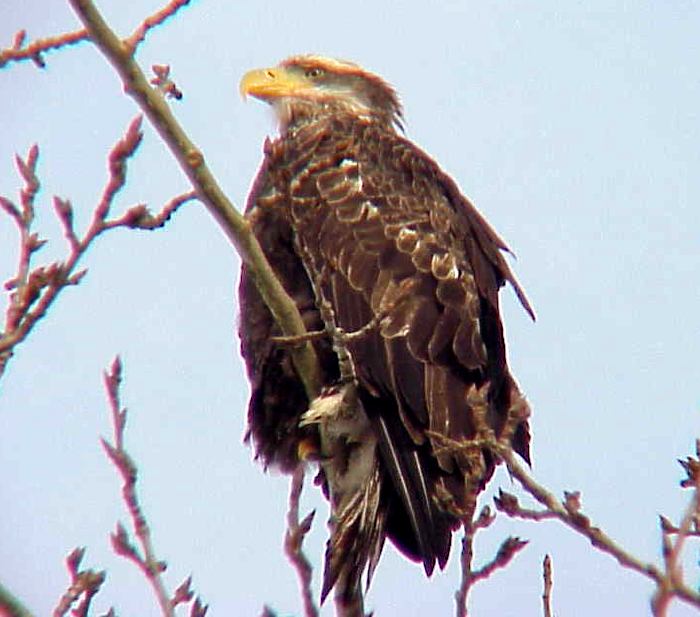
{"type": "Point", "coordinates": [273, 83]}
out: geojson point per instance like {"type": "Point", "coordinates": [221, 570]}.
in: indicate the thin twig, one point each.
{"type": "Point", "coordinates": [151, 22]}
{"type": "Point", "coordinates": [509, 504]}
{"type": "Point", "coordinates": [84, 585]}
{"type": "Point", "coordinates": [19, 51]}
{"type": "Point", "coordinates": [294, 539]}
{"type": "Point", "coordinates": [568, 513]}
{"type": "Point", "coordinates": [144, 557]}
{"type": "Point", "coordinates": [140, 217]}
{"type": "Point", "coordinates": [340, 334]}
{"type": "Point", "coordinates": [509, 548]}
{"type": "Point", "coordinates": [471, 527]}
{"type": "Point", "coordinates": [672, 550]}
{"type": "Point", "coordinates": [35, 290]}
{"type": "Point", "coordinates": [149, 564]}
{"type": "Point", "coordinates": [547, 588]}
{"type": "Point", "coordinates": [11, 606]}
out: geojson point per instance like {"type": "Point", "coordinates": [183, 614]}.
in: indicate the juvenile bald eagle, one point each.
{"type": "Point", "coordinates": [350, 212]}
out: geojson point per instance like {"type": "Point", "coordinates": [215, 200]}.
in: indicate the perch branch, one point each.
{"type": "Point", "coordinates": [191, 160]}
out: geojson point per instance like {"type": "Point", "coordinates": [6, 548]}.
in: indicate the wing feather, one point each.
{"type": "Point", "coordinates": [394, 240]}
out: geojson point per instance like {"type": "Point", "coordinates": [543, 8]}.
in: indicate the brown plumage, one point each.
{"type": "Point", "coordinates": [347, 209]}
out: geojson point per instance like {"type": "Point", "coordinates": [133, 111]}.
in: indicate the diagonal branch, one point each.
{"type": "Point", "coordinates": [11, 605]}
{"type": "Point", "coordinates": [569, 513]}
{"type": "Point", "coordinates": [191, 160]}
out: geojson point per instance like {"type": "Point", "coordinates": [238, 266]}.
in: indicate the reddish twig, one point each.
{"type": "Point", "coordinates": [144, 557]}
{"type": "Point", "coordinates": [33, 291]}
{"type": "Point", "coordinates": [151, 22]}
{"type": "Point", "coordinates": [569, 512]}
{"type": "Point", "coordinates": [140, 217]}
{"type": "Point", "coordinates": [547, 589]}
{"type": "Point", "coordinates": [471, 527]}
{"type": "Point", "coordinates": [669, 528]}
{"type": "Point", "coordinates": [19, 51]}
{"type": "Point", "coordinates": [509, 504]}
{"type": "Point", "coordinates": [33, 51]}
{"type": "Point", "coordinates": [84, 586]}
{"type": "Point", "coordinates": [672, 550]}
{"type": "Point", "coordinates": [164, 82]}
{"type": "Point", "coordinates": [294, 539]}
{"type": "Point", "coordinates": [509, 548]}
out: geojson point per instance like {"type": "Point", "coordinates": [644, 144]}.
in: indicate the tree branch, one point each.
{"type": "Point", "coordinates": [12, 606]}
{"type": "Point", "coordinates": [19, 52]}
{"type": "Point", "coordinates": [673, 574]}
{"type": "Point", "coordinates": [145, 558]}
{"type": "Point", "coordinates": [294, 538]}
{"type": "Point", "coordinates": [33, 291]}
{"type": "Point", "coordinates": [84, 583]}
{"type": "Point", "coordinates": [191, 160]}
{"type": "Point", "coordinates": [547, 589]}
{"type": "Point", "coordinates": [569, 512]}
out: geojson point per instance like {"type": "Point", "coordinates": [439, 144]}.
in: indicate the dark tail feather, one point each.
{"type": "Point", "coordinates": [410, 479]}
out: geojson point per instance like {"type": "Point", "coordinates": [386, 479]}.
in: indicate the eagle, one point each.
{"type": "Point", "coordinates": [397, 275]}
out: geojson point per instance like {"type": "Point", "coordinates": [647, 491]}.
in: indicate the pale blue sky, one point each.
{"type": "Point", "coordinates": [575, 129]}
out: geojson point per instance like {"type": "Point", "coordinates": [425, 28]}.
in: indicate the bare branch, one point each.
{"type": "Point", "coordinates": [569, 513]}
{"type": "Point", "coordinates": [509, 504]}
{"type": "Point", "coordinates": [294, 539]}
{"type": "Point", "coordinates": [12, 606]}
{"type": "Point", "coordinates": [84, 586]}
{"type": "Point", "coordinates": [164, 82]}
{"type": "Point", "coordinates": [35, 290]}
{"type": "Point", "coordinates": [144, 556]}
{"type": "Point", "coordinates": [471, 527]}
{"type": "Point", "coordinates": [139, 217]}
{"type": "Point", "coordinates": [547, 591]}
{"type": "Point", "coordinates": [191, 160]}
{"type": "Point", "coordinates": [154, 20]}
{"type": "Point", "coordinates": [665, 590]}
{"type": "Point", "coordinates": [509, 548]}
{"type": "Point", "coordinates": [34, 51]}
{"type": "Point", "coordinates": [19, 52]}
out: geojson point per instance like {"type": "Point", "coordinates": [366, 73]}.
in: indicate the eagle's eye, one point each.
{"type": "Point", "coordinates": [314, 73]}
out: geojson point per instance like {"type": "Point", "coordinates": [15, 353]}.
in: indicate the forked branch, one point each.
{"type": "Point", "coordinates": [143, 555]}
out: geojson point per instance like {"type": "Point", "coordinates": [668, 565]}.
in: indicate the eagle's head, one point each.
{"type": "Point", "coordinates": [303, 88]}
